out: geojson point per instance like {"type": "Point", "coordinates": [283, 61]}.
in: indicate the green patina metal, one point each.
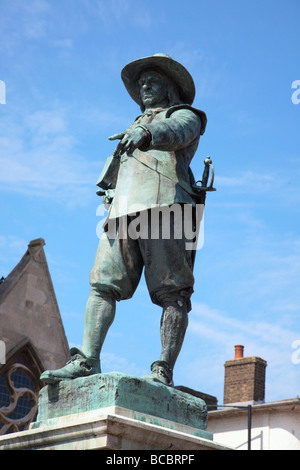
{"type": "Point", "coordinates": [150, 400]}
{"type": "Point", "coordinates": [150, 166]}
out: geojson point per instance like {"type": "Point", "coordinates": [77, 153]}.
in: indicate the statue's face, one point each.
{"type": "Point", "coordinates": [153, 88]}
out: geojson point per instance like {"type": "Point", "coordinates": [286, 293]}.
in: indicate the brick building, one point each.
{"type": "Point", "coordinates": [244, 378]}
{"type": "Point", "coordinates": [245, 420]}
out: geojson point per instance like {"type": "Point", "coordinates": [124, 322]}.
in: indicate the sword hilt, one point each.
{"type": "Point", "coordinates": [208, 168]}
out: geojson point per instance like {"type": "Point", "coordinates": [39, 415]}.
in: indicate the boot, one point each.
{"type": "Point", "coordinates": [78, 366]}
{"type": "Point", "coordinates": [161, 371]}
{"type": "Point", "coordinates": [173, 326]}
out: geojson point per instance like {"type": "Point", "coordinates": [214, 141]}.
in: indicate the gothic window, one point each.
{"type": "Point", "coordinates": [19, 388]}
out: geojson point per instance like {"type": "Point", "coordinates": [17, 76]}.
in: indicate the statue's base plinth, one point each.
{"type": "Point", "coordinates": [117, 412]}
{"type": "Point", "coordinates": [141, 396]}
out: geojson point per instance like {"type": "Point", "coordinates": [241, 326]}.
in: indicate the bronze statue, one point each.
{"type": "Point", "coordinates": [151, 167]}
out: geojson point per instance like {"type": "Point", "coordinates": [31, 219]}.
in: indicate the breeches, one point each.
{"type": "Point", "coordinates": [119, 263]}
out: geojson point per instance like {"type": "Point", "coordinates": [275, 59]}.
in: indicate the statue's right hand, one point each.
{"type": "Point", "coordinates": [131, 140]}
{"type": "Point", "coordinates": [118, 136]}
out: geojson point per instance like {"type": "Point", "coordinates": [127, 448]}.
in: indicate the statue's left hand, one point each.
{"type": "Point", "coordinates": [130, 140]}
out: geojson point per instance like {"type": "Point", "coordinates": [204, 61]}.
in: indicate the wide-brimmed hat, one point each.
{"type": "Point", "coordinates": [164, 63]}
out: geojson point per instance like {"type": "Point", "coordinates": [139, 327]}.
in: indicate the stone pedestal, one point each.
{"type": "Point", "coordinates": [140, 396]}
{"type": "Point", "coordinates": [106, 429]}
{"type": "Point", "coordinates": [116, 412]}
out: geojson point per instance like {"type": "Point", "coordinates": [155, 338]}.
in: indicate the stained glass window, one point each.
{"type": "Point", "coordinates": [19, 387]}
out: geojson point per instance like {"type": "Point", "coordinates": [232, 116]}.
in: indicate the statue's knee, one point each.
{"type": "Point", "coordinates": [176, 303]}
{"type": "Point", "coordinates": [103, 294]}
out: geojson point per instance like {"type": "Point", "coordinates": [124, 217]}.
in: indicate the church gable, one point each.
{"type": "Point", "coordinates": [28, 308]}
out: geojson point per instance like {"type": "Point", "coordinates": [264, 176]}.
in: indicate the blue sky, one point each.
{"type": "Point", "coordinates": [61, 62]}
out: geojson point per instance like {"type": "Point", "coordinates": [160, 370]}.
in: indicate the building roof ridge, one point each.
{"type": "Point", "coordinates": [11, 279]}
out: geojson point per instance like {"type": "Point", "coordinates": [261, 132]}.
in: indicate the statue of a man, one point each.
{"type": "Point", "coordinates": [153, 157]}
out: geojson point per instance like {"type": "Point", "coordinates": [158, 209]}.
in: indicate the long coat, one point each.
{"type": "Point", "coordinates": [159, 174]}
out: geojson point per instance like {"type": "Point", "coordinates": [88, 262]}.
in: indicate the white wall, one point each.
{"type": "Point", "coordinates": [272, 428]}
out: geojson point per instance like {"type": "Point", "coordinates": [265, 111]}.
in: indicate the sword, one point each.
{"type": "Point", "coordinates": [208, 169]}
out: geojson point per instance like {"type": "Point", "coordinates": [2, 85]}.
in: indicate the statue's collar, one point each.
{"type": "Point", "coordinates": [150, 112]}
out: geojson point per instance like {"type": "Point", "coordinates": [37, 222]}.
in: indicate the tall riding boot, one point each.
{"type": "Point", "coordinates": [174, 322]}
{"type": "Point", "coordinates": [99, 315]}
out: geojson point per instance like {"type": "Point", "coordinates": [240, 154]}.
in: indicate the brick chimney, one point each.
{"type": "Point", "coordinates": [244, 378]}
